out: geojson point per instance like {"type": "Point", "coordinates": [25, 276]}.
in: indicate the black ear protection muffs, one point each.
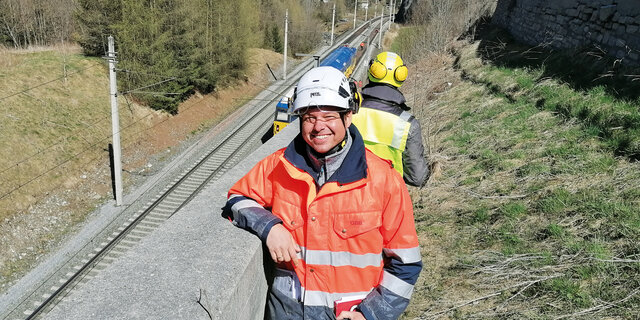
{"type": "Point", "coordinates": [291, 100]}
{"type": "Point", "coordinates": [356, 99]}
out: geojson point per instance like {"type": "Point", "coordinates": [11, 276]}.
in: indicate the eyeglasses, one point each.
{"type": "Point", "coordinates": [323, 109]}
{"type": "Point", "coordinates": [325, 118]}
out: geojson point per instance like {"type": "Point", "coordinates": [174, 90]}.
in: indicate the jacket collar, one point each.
{"type": "Point", "coordinates": [383, 92]}
{"type": "Point", "coordinates": [354, 165]}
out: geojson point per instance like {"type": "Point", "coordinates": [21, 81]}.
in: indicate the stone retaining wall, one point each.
{"type": "Point", "coordinates": [611, 25]}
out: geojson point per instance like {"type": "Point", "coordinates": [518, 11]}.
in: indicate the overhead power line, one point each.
{"type": "Point", "coordinates": [50, 81]}
{"type": "Point", "coordinates": [20, 186]}
{"type": "Point", "coordinates": [164, 172]}
{"type": "Point", "coordinates": [149, 86]}
{"type": "Point", "coordinates": [155, 93]}
{"type": "Point", "coordinates": [143, 73]}
{"type": "Point", "coordinates": [58, 142]}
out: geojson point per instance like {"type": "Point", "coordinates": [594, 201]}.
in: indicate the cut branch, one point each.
{"type": "Point", "coordinates": [600, 307]}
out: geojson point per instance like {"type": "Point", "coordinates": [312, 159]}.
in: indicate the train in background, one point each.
{"type": "Point", "coordinates": [344, 58]}
{"type": "Point", "coordinates": [283, 117]}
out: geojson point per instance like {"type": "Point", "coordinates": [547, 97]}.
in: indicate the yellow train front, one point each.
{"type": "Point", "coordinates": [343, 59]}
{"type": "Point", "coordinates": [283, 117]}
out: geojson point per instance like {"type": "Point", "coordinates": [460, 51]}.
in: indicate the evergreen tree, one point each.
{"type": "Point", "coordinates": [149, 36]}
{"type": "Point", "coordinates": [95, 19]}
{"type": "Point", "coordinates": [200, 44]}
{"type": "Point", "coordinates": [278, 44]}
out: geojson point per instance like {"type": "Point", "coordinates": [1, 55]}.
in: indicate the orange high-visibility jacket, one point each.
{"type": "Point", "coordinates": [356, 231]}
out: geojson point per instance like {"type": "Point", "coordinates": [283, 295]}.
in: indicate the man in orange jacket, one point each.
{"type": "Point", "coordinates": [336, 219]}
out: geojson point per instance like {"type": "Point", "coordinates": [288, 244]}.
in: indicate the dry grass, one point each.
{"type": "Point", "coordinates": [532, 217]}
{"type": "Point", "coordinates": [342, 27]}
{"type": "Point", "coordinates": [435, 24]}
{"type": "Point", "coordinates": [38, 131]}
{"type": "Point", "coordinates": [430, 78]}
{"type": "Point", "coordinates": [7, 61]}
{"type": "Point", "coordinates": [258, 58]}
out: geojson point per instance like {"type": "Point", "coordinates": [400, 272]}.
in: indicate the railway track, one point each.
{"type": "Point", "coordinates": [129, 229]}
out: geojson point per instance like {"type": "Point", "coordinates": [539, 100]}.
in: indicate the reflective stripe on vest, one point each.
{"type": "Point", "coordinates": [385, 134]}
{"type": "Point", "coordinates": [339, 259]}
{"type": "Point", "coordinates": [326, 299]}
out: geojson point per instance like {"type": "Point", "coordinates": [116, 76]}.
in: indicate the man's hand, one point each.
{"type": "Point", "coordinates": [352, 315]}
{"type": "Point", "coordinates": [281, 245]}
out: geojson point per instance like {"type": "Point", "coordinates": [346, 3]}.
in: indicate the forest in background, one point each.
{"type": "Point", "coordinates": [179, 46]}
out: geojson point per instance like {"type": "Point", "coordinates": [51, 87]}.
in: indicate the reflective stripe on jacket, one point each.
{"type": "Point", "coordinates": [391, 132]}
{"type": "Point", "coordinates": [356, 232]}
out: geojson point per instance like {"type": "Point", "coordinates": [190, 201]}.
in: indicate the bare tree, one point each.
{"type": "Point", "coordinates": [36, 22]}
{"type": "Point", "coordinates": [440, 21]}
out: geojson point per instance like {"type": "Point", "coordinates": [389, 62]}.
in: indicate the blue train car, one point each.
{"type": "Point", "coordinates": [343, 59]}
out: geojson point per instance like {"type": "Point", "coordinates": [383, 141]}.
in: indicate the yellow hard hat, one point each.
{"type": "Point", "coordinates": [388, 67]}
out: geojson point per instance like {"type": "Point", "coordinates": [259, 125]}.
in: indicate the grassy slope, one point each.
{"type": "Point", "coordinates": [537, 212]}
{"type": "Point", "coordinates": [57, 128]}
{"type": "Point", "coordinates": [57, 135]}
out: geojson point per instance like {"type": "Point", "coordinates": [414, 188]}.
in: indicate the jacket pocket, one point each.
{"type": "Point", "coordinates": [287, 283]}
{"type": "Point", "coordinates": [289, 214]}
{"type": "Point", "coordinates": [348, 225]}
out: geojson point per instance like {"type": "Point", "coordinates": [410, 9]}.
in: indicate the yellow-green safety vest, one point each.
{"type": "Point", "coordinates": [384, 133]}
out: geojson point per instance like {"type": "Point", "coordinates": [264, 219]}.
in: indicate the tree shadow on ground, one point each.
{"type": "Point", "coordinates": [581, 68]}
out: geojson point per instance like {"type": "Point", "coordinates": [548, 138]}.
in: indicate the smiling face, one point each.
{"type": "Point", "coordinates": [323, 129]}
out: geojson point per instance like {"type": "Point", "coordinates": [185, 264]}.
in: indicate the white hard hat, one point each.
{"type": "Point", "coordinates": [321, 87]}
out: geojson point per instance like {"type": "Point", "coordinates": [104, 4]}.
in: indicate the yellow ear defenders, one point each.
{"type": "Point", "coordinates": [401, 73]}
{"type": "Point", "coordinates": [379, 72]}
{"type": "Point", "coordinates": [377, 69]}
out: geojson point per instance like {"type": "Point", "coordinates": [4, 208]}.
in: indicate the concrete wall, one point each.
{"type": "Point", "coordinates": [197, 265]}
{"type": "Point", "coordinates": [613, 25]}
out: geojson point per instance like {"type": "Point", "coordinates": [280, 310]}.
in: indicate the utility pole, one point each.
{"type": "Point", "coordinates": [115, 122]}
{"type": "Point", "coordinates": [390, 13]}
{"type": "Point", "coordinates": [64, 60]}
{"type": "Point", "coordinates": [286, 31]}
{"type": "Point", "coordinates": [375, 14]}
{"type": "Point", "coordinates": [333, 22]}
{"type": "Point", "coordinates": [380, 30]}
{"type": "Point", "coordinates": [393, 10]}
{"type": "Point", "coordinates": [366, 11]}
{"type": "Point", "coordinates": [355, 10]}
